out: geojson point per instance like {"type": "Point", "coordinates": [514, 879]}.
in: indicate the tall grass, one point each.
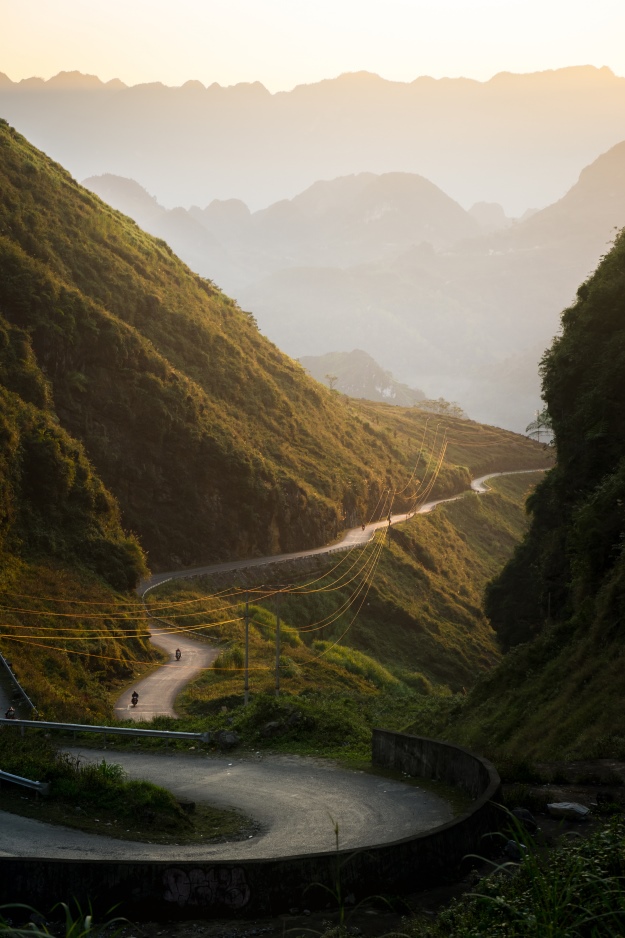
{"type": "Point", "coordinates": [574, 891]}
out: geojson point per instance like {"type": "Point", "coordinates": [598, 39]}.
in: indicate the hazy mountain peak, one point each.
{"type": "Point", "coordinates": [569, 76]}
{"type": "Point", "coordinates": [109, 182]}
{"type": "Point", "coordinates": [227, 208]}
{"type": "Point", "coordinates": [242, 88]}
{"type": "Point", "coordinates": [490, 216]}
{"type": "Point", "coordinates": [363, 77]}
{"type": "Point", "coordinates": [326, 193]}
{"type": "Point", "coordinates": [357, 374]}
{"type": "Point", "coordinates": [74, 80]}
{"type": "Point", "coordinates": [193, 85]}
{"type": "Point", "coordinates": [34, 82]}
{"type": "Point", "coordinates": [126, 196]}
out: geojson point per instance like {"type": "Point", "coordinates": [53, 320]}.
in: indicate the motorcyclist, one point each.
{"type": "Point", "coordinates": [178, 654]}
{"type": "Point", "coordinates": [134, 698]}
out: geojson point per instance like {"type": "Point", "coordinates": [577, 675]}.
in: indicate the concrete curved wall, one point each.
{"type": "Point", "coordinates": [262, 887]}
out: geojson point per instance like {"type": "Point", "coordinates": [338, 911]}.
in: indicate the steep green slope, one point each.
{"type": "Point", "coordinates": [561, 599]}
{"type": "Point", "coordinates": [215, 444]}
{"type": "Point", "coordinates": [63, 555]}
{"type": "Point", "coordinates": [52, 504]}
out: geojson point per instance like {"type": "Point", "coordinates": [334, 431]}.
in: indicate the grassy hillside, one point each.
{"type": "Point", "coordinates": [70, 638]}
{"type": "Point", "coordinates": [63, 554]}
{"type": "Point", "coordinates": [559, 603]}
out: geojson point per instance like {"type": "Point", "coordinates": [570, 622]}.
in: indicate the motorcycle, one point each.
{"type": "Point", "coordinates": [134, 700]}
{"type": "Point", "coordinates": [178, 654]}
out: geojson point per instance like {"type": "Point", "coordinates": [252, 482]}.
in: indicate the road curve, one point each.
{"type": "Point", "coordinates": [158, 691]}
{"type": "Point", "coordinates": [479, 486]}
{"type": "Point", "coordinates": [292, 798]}
{"type": "Point", "coordinates": [295, 800]}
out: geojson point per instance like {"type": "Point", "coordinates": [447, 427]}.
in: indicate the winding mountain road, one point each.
{"type": "Point", "coordinates": [158, 691]}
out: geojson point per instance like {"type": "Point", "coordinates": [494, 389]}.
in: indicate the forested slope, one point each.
{"type": "Point", "coordinates": [561, 599]}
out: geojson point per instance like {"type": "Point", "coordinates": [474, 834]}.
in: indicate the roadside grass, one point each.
{"type": "Point", "coordinates": [70, 921]}
{"type": "Point", "coordinates": [97, 798]}
{"type": "Point", "coordinates": [574, 891]}
{"type": "Point", "coordinates": [542, 704]}
{"type": "Point", "coordinates": [69, 675]}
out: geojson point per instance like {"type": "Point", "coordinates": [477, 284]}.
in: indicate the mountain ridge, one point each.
{"type": "Point", "coordinates": [447, 130]}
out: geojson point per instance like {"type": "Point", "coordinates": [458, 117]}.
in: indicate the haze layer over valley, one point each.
{"type": "Point", "coordinates": [461, 304]}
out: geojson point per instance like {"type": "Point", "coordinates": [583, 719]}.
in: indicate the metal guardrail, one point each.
{"type": "Point", "coordinates": [17, 684]}
{"type": "Point", "coordinates": [106, 730]}
{"type": "Point", "coordinates": [42, 788]}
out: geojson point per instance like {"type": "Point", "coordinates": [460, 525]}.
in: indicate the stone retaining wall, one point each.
{"type": "Point", "coordinates": [149, 890]}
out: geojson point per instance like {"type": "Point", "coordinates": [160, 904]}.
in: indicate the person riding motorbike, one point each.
{"type": "Point", "coordinates": [135, 698]}
{"type": "Point", "coordinates": [178, 654]}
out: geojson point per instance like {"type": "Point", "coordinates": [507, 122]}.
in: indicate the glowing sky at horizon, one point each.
{"type": "Point", "coordinates": [283, 43]}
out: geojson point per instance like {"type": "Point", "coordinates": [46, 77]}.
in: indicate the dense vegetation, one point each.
{"type": "Point", "coordinates": [573, 891]}
{"type": "Point", "coordinates": [63, 554]}
{"type": "Point", "coordinates": [560, 602]}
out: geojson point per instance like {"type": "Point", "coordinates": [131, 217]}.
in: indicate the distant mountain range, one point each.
{"type": "Point", "coordinates": [517, 140]}
{"type": "Point", "coordinates": [460, 303]}
{"type": "Point", "coordinates": [342, 223]}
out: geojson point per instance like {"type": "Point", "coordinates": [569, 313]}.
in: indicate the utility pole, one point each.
{"type": "Point", "coordinates": [278, 597]}
{"type": "Point", "coordinates": [247, 651]}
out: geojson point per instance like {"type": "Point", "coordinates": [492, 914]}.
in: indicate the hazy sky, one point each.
{"type": "Point", "coordinates": [287, 42]}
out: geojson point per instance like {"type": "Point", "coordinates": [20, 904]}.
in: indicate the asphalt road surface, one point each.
{"type": "Point", "coordinates": [158, 691]}
{"type": "Point", "coordinates": [478, 485]}
{"type": "Point", "coordinates": [295, 800]}
{"type": "Point", "coordinates": [354, 537]}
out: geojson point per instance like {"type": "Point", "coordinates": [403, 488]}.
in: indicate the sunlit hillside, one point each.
{"type": "Point", "coordinates": [215, 444]}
